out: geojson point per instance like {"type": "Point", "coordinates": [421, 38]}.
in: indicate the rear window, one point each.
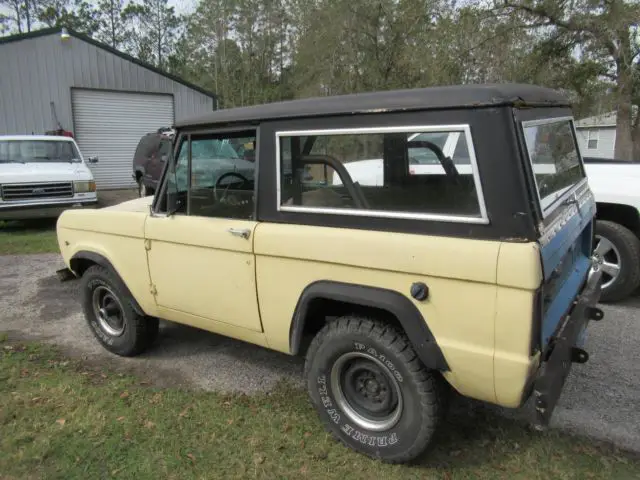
{"type": "Point", "coordinates": [553, 153]}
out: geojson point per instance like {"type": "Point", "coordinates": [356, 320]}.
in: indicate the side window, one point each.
{"type": "Point", "coordinates": [409, 172]}
{"type": "Point", "coordinates": [219, 181]}
{"type": "Point", "coordinates": [141, 149]}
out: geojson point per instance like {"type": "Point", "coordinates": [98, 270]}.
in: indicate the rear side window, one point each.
{"type": "Point", "coordinates": [165, 148]}
{"type": "Point", "coordinates": [146, 146]}
{"type": "Point", "coordinates": [553, 153]}
{"type": "Point", "coordinates": [415, 173]}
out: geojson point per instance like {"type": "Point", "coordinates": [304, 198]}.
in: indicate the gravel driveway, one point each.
{"type": "Point", "coordinates": [601, 398]}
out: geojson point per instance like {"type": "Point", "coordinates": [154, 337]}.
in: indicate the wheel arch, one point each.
{"type": "Point", "coordinates": [84, 259]}
{"type": "Point", "coordinates": [341, 297]}
{"type": "Point", "coordinates": [626, 215]}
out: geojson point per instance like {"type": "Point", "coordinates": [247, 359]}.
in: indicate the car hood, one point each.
{"type": "Point", "coordinates": [135, 205]}
{"type": "Point", "coordinates": [43, 172]}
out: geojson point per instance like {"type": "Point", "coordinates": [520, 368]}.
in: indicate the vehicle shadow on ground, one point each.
{"type": "Point", "coordinates": [632, 301]}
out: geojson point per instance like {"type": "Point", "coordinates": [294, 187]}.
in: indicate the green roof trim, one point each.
{"type": "Point", "coordinates": [56, 30]}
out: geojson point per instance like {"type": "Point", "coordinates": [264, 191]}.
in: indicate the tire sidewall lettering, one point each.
{"type": "Point", "coordinates": [363, 347]}
{"type": "Point", "coordinates": [342, 425]}
{"type": "Point", "coordinates": [103, 337]}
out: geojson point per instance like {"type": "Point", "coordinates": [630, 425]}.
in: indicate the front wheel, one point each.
{"type": "Point", "coordinates": [111, 317]}
{"type": "Point", "coordinates": [617, 254]}
{"type": "Point", "coordinates": [371, 390]}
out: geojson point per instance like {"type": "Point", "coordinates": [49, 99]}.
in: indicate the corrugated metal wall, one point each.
{"type": "Point", "coordinates": [109, 125]}
{"type": "Point", "coordinates": [37, 71]}
{"type": "Point", "coordinates": [606, 142]}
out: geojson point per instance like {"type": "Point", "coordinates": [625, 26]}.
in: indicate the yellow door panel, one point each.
{"type": "Point", "coordinates": [203, 266]}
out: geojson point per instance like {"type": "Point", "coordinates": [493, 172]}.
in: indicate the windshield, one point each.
{"type": "Point", "coordinates": [38, 151]}
{"type": "Point", "coordinates": [554, 157]}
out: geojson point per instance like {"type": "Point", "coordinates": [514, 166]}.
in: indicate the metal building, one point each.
{"type": "Point", "coordinates": [54, 79]}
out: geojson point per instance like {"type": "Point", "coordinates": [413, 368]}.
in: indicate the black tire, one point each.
{"type": "Point", "coordinates": [627, 246]}
{"type": "Point", "coordinates": [127, 333]}
{"type": "Point", "coordinates": [423, 393]}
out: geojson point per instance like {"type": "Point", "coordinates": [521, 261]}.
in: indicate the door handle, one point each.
{"type": "Point", "coordinates": [240, 232]}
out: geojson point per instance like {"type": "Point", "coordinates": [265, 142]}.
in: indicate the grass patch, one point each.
{"type": "Point", "coordinates": [60, 419]}
{"type": "Point", "coordinates": [37, 236]}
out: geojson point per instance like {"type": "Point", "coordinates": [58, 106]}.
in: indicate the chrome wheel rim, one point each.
{"type": "Point", "coordinates": [606, 257]}
{"type": "Point", "coordinates": [366, 391]}
{"type": "Point", "coordinates": [108, 311]}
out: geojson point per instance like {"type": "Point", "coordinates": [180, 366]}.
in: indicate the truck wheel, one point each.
{"type": "Point", "coordinates": [111, 317]}
{"type": "Point", "coordinates": [371, 390]}
{"type": "Point", "coordinates": [617, 250]}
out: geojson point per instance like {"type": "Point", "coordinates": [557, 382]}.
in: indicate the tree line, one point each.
{"type": "Point", "coordinates": [254, 51]}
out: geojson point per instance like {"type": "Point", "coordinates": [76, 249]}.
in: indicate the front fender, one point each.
{"type": "Point", "coordinates": [81, 259]}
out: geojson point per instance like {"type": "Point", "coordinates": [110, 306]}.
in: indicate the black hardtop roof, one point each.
{"type": "Point", "coordinates": [430, 98]}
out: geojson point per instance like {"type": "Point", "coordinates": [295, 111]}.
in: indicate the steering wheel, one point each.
{"type": "Point", "coordinates": [242, 178]}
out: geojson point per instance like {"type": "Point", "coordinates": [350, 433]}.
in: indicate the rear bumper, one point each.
{"type": "Point", "coordinates": [43, 210]}
{"type": "Point", "coordinates": [564, 350]}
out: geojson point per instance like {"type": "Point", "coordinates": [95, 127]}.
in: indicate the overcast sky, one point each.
{"type": "Point", "coordinates": [182, 6]}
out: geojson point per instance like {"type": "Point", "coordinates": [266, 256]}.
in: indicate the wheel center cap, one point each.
{"type": "Point", "coordinates": [372, 386]}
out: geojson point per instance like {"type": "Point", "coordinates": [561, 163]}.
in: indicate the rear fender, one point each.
{"type": "Point", "coordinates": [390, 301]}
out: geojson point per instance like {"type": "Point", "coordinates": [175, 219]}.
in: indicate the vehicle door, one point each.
{"type": "Point", "coordinates": [200, 234]}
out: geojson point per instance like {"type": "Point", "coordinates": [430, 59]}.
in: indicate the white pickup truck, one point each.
{"type": "Point", "coordinates": [615, 184]}
{"type": "Point", "coordinates": [42, 175]}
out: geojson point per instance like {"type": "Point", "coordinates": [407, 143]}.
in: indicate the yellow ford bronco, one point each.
{"type": "Point", "coordinates": [407, 243]}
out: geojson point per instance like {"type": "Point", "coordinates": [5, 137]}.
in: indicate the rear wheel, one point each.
{"type": "Point", "coordinates": [111, 316]}
{"type": "Point", "coordinates": [371, 390]}
{"type": "Point", "coordinates": [617, 253]}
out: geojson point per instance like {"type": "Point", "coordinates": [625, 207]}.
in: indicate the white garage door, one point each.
{"type": "Point", "coordinates": [109, 125]}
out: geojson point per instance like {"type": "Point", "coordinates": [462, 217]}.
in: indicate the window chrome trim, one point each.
{"type": "Point", "coordinates": [482, 218]}
{"type": "Point", "coordinates": [559, 201]}
{"type": "Point", "coordinates": [186, 136]}
{"type": "Point", "coordinates": [582, 196]}
{"type": "Point", "coordinates": [162, 181]}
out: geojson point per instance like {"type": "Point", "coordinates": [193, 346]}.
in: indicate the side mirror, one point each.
{"type": "Point", "coordinates": [92, 159]}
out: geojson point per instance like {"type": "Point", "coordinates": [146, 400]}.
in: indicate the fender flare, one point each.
{"type": "Point", "coordinates": [104, 262]}
{"type": "Point", "coordinates": [400, 306]}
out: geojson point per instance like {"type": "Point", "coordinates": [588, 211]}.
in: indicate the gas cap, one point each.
{"type": "Point", "coordinates": [419, 291]}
